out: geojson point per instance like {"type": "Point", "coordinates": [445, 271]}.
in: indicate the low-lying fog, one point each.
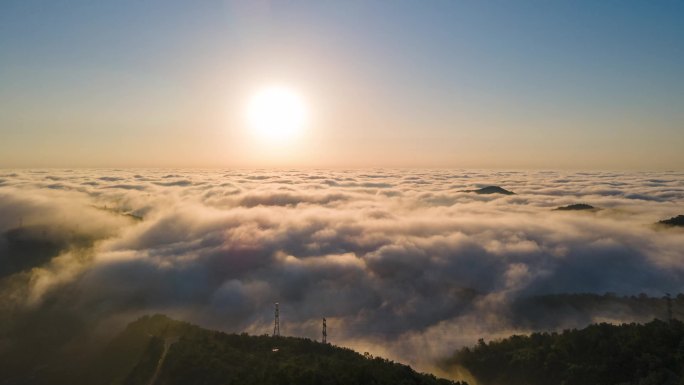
{"type": "Point", "coordinates": [404, 264]}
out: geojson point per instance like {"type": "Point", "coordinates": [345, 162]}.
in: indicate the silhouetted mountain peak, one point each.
{"type": "Point", "coordinates": [677, 221]}
{"type": "Point", "coordinates": [492, 190]}
{"type": "Point", "coordinates": [577, 207]}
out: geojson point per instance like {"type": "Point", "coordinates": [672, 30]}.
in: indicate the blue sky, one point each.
{"type": "Point", "coordinates": [531, 84]}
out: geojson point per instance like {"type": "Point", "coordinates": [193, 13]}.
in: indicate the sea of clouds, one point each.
{"type": "Point", "coordinates": [402, 263]}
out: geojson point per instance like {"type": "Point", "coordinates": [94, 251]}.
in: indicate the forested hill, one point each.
{"type": "Point", "coordinates": [602, 354]}
{"type": "Point", "coordinates": [158, 350]}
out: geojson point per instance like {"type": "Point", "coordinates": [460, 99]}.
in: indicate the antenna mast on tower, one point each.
{"type": "Point", "coordinates": [325, 332]}
{"type": "Point", "coordinates": [276, 324]}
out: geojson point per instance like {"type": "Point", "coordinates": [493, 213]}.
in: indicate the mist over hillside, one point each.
{"type": "Point", "coordinates": [403, 263]}
{"type": "Point", "coordinates": [158, 350]}
{"type": "Point", "coordinates": [634, 354]}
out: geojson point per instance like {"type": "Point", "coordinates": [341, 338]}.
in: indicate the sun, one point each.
{"type": "Point", "coordinates": [277, 113]}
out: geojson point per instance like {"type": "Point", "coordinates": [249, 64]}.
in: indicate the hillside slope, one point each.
{"type": "Point", "coordinates": [601, 354]}
{"type": "Point", "coordinates": [156, 350]}
{"type": "Point", "coordinates": [170, 352]}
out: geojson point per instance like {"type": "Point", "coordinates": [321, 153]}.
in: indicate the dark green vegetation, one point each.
{"type": "Point", "coordinates": [677, 221]}
{"type": "Point", "coordinates": [53, 347]}
{"type": "Point", "coordinates": [492, 190]}
{"type": "Point", "coordinates": [158, 350]}
{"type": "Point", "coordinates": [603, 354]}
{"type": "Point", "coordinates": [561, 311]}
{"type": "Point", "coordinates": [577, 207]}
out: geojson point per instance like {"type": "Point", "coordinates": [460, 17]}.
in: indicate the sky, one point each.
{"type": "Point", "coordinates": [465, 84]}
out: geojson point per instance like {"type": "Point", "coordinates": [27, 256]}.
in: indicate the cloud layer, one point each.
{"type": "Point", "coordinates": [401, 263]}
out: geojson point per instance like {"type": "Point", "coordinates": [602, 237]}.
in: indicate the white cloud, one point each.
{"type": "Point", "coordinates": [403, 260]}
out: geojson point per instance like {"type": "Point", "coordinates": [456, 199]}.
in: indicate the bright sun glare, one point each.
{"type": "Point", "coordinates": [277, 113]}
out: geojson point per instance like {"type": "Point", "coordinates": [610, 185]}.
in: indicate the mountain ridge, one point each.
{"type": "Point", "coordinates": [157, 350]}
{"type": "Point", "coordinates": [491, 190]}
{"type": "Point", "coordinates": [606, 354]}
